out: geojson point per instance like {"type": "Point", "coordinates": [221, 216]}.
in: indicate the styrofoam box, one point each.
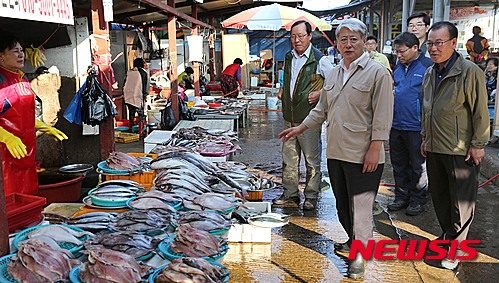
{"type": "Point", "coordinates": [217, 158]}
{"type": "Point", "coordinates": [156, 137]}
{"type": "Point", "coordinates": [246, 233]}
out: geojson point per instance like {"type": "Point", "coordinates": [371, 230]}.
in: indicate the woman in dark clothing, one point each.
{"type": "Point", "coordinates": [231, 78]}
{"type": "Point", "coordinates": [491, 75]}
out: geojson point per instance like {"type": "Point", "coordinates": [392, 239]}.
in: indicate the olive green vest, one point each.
{"type": "Point", "coordinates": [297, 108]}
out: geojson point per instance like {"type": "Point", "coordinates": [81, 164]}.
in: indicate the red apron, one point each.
{"type": "Point", "coordinates": [17, 108]}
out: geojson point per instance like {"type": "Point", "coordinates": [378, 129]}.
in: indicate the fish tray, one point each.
{"type": "Point", "coordinates": [4, 275]}
{"type": "Point", "coordinates": [121, 137]}
{"type": "Point", "coordinates": [73, 248]}
{"type": "Point", "coordinates": [23, 210]}
{"type": "Point", "coordinates": [155, 274]}
{"type": "Point", "coordinates": [106, 203]}
{"type": "Point", "coordinates": [74, 275]}
{"type": "Point", "coordinates": [164, 248]}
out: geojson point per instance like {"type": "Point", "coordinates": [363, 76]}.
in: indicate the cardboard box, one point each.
{"type": "Point", "coordinates": [245, 233]}
{"type": "Point", "coordinates": [265, 54]}
{"type": "Point", "coordinates": [156, 137]}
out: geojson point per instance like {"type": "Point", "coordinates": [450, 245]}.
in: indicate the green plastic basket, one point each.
{"type": "Point", "coordinates": [106, 203]}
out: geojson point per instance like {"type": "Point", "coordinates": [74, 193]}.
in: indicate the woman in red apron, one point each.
{"type": "Point", "coordinates": [17, 121]}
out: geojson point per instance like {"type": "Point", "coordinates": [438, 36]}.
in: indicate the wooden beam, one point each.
{"type": "Point", "coordinates": [171, 9]}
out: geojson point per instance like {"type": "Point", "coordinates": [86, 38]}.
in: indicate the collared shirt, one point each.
{"type": "Point", "coordinates": [379, 57]}
{"type": "Point", "coordinates": [297, 63]}
{"type": "Point", "coordinates": [440, 74]}
{"type": "Point", "coordinates": [348, 71]}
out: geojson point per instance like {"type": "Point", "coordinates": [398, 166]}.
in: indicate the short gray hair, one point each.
{"type": "Point", "coordinates": [354, 25]}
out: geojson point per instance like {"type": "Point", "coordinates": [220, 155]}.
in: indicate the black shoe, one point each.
{"type": "Point", "coordinates": [342, 247]}
{"type": "Point", "coordinates": [414, 209]}
{"type": "Point", "coordinates": [356, 268]}
{"type": "Point", "coordinates": [286, 200]}
{"type": "Point", "coordinates": [398, 205]}
{"type": "Point", "coordinates": [310, 204]}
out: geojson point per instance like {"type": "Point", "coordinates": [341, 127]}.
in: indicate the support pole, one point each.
{"type": "Point", "coordinates": [172, 49]}
{"type": "Point", "coordinates": [405, 14]}
{"type": "Point", "coordinates": [4, 226]}
{"type": "Point", "coordinates": [103, 60]}
{"type": "Point", "coordinates": [438, 11]}
{"type": "Point", "coordinates": [195, 65]}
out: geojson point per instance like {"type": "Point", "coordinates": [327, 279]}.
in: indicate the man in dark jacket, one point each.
{"type": "Point", "coordinates": [455, 129]}
{"type": "Point", "coordinates": [478, 47]}
{"type": "Point", "coordinates": [409, 166]}
{"type": "Point", "coordinates": [304, 70]}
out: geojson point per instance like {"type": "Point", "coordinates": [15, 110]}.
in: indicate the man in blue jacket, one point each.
{"type": "Point", "coordinates": [409, 166]}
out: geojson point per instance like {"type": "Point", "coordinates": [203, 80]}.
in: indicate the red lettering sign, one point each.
{"type": "Point", "coordinates": [413, 249]}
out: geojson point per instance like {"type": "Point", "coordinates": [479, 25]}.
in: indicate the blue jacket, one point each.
{"type": "Point", "coordinates": [407, 94]}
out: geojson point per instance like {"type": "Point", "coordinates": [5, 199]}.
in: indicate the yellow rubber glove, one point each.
{"type": "Point", "coordinates": [14, 144]}
{"type": "Point", "coordinates": [44, 128]}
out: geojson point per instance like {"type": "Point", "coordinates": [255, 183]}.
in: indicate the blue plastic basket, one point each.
{"type": "Point", "coordinates": [164, 247]}
{"type": "Point", "coordinates": [4, 275]}
{"type": "Point", "coordinates": [106, 203]}
{"type": "Point", "coordinates": [177, 205]}
{"type": "Point", "coordinates": [158, 271]}
{"type": "Point", "coordinates": [103, 166]}
{"type": "Point", "coordinates": [74, 275]}
{"type": "Point", "coordinates": [73, 248]}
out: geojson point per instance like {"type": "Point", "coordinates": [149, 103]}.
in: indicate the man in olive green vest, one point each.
{"type": "Point", "coordinates": [304, 70]}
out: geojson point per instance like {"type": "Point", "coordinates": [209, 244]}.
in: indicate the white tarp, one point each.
{"type": "Point", "coordinates": [51, 11]}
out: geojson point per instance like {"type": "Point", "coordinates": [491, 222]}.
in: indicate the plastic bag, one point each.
{"type": "Point", "coordinates": [168, 120]}
{"type": "Point", "coordinates": [73, 112]}
{"type": "Point", "coordinates": [185, 112]}
{"type": "Point", "coordinates": [96, 104]}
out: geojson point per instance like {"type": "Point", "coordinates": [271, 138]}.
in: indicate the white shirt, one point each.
{"type": "Point", "coordinates": [348, 71]}
{"type": "Point", "coordinates": [323, 68]}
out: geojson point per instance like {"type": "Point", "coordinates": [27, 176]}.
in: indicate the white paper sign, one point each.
{"type": "Point", "coordinates": [51, 11]}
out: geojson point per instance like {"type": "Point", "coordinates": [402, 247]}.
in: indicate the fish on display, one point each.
{"type": "Point", "coordinates": [60, 234]}
{"type": "Point", "coordinates": [106, 265]}
{"type": "Point", "coordinates": [121, 161]}
{"type": "Point", "coordinates": [92, 221]}
{"type": "Point", "coordinates": [131, 243]}
{"type": "Point", "coordinates": [204, 220]}
{"type": "Point", "coordinates": [143, 221]}
{"type": "Point", "coordinates": [37, 261]}
{"type": "Point", "coordinates": [196, 243]}
{"type": "Point", "coordinates": [190, 269]}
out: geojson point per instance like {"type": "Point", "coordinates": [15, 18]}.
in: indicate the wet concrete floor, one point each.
{"type": "Point", "coordinates": [303, 251]}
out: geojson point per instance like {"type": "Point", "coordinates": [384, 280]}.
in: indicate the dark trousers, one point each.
{"type": "Point", "coordinates": [453, 187]}
{"type": "Point", "coordinates": [355, 193]}
{"type": "Point", "coordinates": [131, 113]}
{"type": "Point", "coordinates": [409, 166]}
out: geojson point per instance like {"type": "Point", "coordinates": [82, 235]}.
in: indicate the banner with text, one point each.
{"type": "Point", "coordinates": [52, 11]}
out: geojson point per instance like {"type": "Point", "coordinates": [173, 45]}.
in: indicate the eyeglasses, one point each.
{"type": "Point", "coordinates": [299, 36]}
{"type": "Point", "coordinates": [401, 51]}
{"type": "Point", "coordinates": [370, 43]}
{"type": "Point", "coordinates": [418, 25]}
{"type": "Point", "coordinates": [437, 44]}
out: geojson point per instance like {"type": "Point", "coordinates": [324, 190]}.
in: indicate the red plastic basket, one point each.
{"type": "Point", "coordinates": [23, 210]}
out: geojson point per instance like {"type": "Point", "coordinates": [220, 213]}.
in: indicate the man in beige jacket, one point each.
{"type": "Point", "coordinates": [357, 106]}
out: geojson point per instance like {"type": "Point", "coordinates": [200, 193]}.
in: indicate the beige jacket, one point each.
{"type": "Point", "coordinates": [356, 112]}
